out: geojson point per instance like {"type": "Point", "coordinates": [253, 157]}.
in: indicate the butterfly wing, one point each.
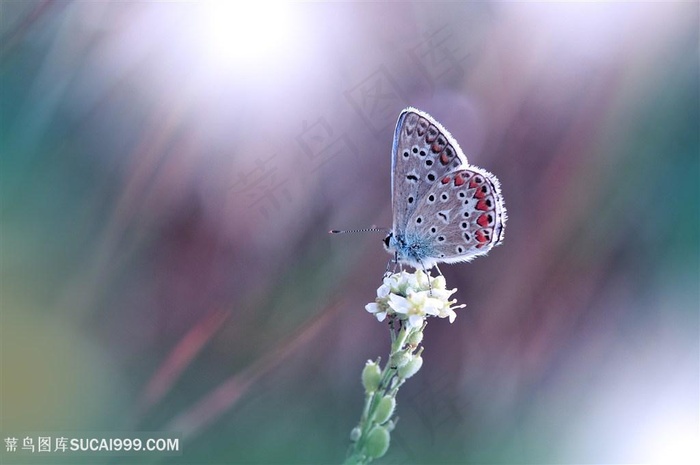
{"type": "Point", "coordinates": [460, 218]}
{"type": "Point", "coordinates": [422, 154]}
{"type": "Point", "coordinates": [444, 209]}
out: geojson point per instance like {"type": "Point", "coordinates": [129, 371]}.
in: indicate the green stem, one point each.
{"type": "Point", "coordinates": [356, 454]}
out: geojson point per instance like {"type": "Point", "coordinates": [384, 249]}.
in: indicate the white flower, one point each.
{"type": "Point", "coordinates": [376, 310]}
{"type": "Point", "coordinates": [412, 297]}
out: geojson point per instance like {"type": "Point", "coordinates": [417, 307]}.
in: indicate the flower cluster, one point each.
{"type": "Point", "coordinates": [412, 297]}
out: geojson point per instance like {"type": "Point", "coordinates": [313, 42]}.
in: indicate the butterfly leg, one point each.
{"type": "Point", "coordinates": [388, 272]}
{"type": "Point", "coordinates": [438, 270]}
{"type": "Point", "coordinates": [430, 285]}
{"type": "Point", "coordinates": [397, 265]}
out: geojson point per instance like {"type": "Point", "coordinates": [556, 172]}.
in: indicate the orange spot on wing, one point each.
{"type": "Point", "coordinates": [479, 194]}
{"type": "Point", "coordinates": [482, 236]}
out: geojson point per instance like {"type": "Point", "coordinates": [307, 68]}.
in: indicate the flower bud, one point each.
{"type": "Point", "coordinates": [411, 368]}
{"type": "Point", "coordinates": [385, 409]}
{"type": "Point", "coordinates": [355, 434]}
{"type": "Point", "coordinates": [371, 376]}
{"type": "Point", "coordinates": [415, 338]}
{"type": "Point", "coordinates": [399, 359]}
{"type": "Point", "coordinates": [377, 442]}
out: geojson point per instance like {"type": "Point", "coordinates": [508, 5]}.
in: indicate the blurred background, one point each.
{"type": "Point", "coordinates": [170, 171]}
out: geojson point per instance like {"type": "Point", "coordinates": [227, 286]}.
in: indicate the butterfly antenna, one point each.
{"type": "Point", "coordinates": [345, 231]}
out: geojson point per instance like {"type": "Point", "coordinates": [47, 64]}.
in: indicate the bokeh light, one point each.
{"type": "Point", "coordinates": [241, 35]}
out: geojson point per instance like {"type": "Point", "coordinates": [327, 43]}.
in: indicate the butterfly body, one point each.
{"type": "Point", "coordinates": [445, 210]}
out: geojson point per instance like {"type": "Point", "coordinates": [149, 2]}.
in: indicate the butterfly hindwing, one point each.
{"type": "Point", "coordinates": [461, 217]}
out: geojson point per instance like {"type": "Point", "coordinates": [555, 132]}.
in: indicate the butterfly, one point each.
{"type": "Point", "coordinates": [444, 210]}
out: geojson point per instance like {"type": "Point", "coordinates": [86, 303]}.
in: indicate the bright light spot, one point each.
{"type": "Point", "coordinates": [238, 35]}
{"type": "Point", "coordinates": [676, 442]}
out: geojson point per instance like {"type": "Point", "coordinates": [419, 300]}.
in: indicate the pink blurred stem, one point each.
{"type": "Point", "coordinates": [180, 358]}
{"type": "Point", "coordinates": [223, 397]}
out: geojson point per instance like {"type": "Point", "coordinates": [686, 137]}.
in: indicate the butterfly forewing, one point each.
{"type": "Point", "coordinates": [423, 153]}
